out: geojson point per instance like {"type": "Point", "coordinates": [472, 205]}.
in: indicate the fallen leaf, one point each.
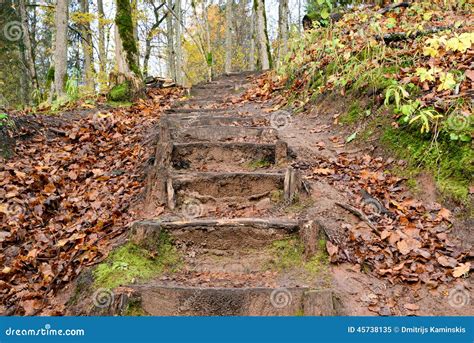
{"type": "Point", "coordinates": [447, 261]}
{"type": "Point", "coordinates": [462, 269]}
{"type": "Point", "coordinates": [444, 213]}
{"type": "Point", "coordinates": [412, 307]}
{"type": "Point", "coordinates": [331, 248]}
{"type": "Point", "coordinates": [323, 171]}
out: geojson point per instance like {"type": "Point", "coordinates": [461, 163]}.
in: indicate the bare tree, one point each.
{"type": "Point", "coordinates": [228, 36]}
{"type": "Point", "coordinates": [60, 51]}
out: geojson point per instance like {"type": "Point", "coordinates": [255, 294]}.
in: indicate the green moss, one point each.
{"type": "Point", "coordinates": [120, 104]}
{"type": "Point", "coordinates": [120, 93]}
{"type": "Point", "coordinates": [354, 113]}
{"type": "Point", "coordinates": [124, 22]}
{"type": "Point", "coordinates": [451, 163]}
{"type": "Point", "coordinates": [130, 262]}
{"type": "Point", "coordinates": [299, 204]}
{"type": "Point", "coordinates": [135, 309]}
{"type": "Point", "coordinates": [299, 313]}
{"type": "Point", "coordinates": [276, 196]}
{"type": "Point", "coordinates": [289, 254]}
{"type": "Point", "coordinates": [258, 164]}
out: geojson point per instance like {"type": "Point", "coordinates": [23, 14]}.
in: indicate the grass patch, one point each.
{"type": "Point", "coordinates": [131, 262]}
{"type": "Point", "coordinates": [451, 163]}
{"type": "Point", "coordinates": [289, 254]}
{"type": "Point", "coordinates": [353, 114]}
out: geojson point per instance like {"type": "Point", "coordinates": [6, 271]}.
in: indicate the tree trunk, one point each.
{"type": "Point", "coordinates": [283, 30]}
{"type": "Point", "coordinates": [126, 52]}
{"type": "Point", "coordinates": [102, 53]}
{"type": "Point", "coordinates": [262, 33]}
{"type": "Point", "coordinates": [30, 62]}
{"type": "Point", "coordinates": [60, 52]}
{"type": "Point", "coordinates": [170, 39]}
{"type": "Point", "coordinates": [179, 47]}
{"type": "Point", "coordinates": [228, 36]}
{"type": "Point", "coordinates": [87, 49]}
{"type": "Point", "coordinates": [210, 55]}
{"type": "Point", "coordinates": [253, 22]}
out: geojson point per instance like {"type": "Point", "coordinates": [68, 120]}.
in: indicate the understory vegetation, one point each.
{"type": "Point", "coordinates": [411, 66]}
{"type": "Point", "coordinates": [131, 263]}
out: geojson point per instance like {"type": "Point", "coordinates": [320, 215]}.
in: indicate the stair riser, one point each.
{"type": "Point", "coordinates": [176, 301]}
{"type": "Point", "coordinates": [215, 234]}
{"type": "Point", "coordinates": [225, 157]}
{"type": "Point", "coordinates": [224, 134]}
{"type": "Point", "coordinates": [196, 121]}
{"type": "Point", "coordinates": [243, 186]}
{"type": "Point", "coordinates": [235, 238]}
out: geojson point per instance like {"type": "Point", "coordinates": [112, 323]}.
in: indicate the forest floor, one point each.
{"type": "Point", "coordinates": [71, 195]}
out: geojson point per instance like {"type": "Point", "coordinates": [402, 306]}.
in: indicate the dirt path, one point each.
{"type": "Point", "coordinates": [234, 185]}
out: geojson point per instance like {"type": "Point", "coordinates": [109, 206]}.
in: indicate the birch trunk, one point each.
{"type": "Point", "coordinates": [30, 62]}
{"type": "Point", "coordinates": [283, 30]}
{"type": "Point", "coordinates": [87, 49]}
{"type": "Point", "coordinates": [228, 36]}
{"type": "Point", "coordinates": [262, 33]}
{"type": "Point", "coordinates": [60, 52]}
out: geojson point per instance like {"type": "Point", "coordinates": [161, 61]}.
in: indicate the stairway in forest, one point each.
{"type": "Point", "coordinates": [223, 175]}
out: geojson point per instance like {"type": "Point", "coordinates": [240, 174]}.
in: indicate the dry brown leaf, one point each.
{"type": "Point", "coordinates": [447, 261]}
{"type": "Point", "coordinates": [407, 245]}
{"type": "Point", "coordinates": [412, 307]}
{"type": "Point", "coordinates": [323, 171]}
{"type": "Point", "coordinates": [331, 248]}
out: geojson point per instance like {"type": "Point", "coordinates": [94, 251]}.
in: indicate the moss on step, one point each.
{"type": "Point", "coordinates": [258, 164]}
{"type": "Point", "coordinates": [288, 254]}
{"type": "Point", "coordinates": [135, 309]}
{"type": "Point", "coordinates": [130, 262]}
{"type": "Point", "coordinates": [299, 204]}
